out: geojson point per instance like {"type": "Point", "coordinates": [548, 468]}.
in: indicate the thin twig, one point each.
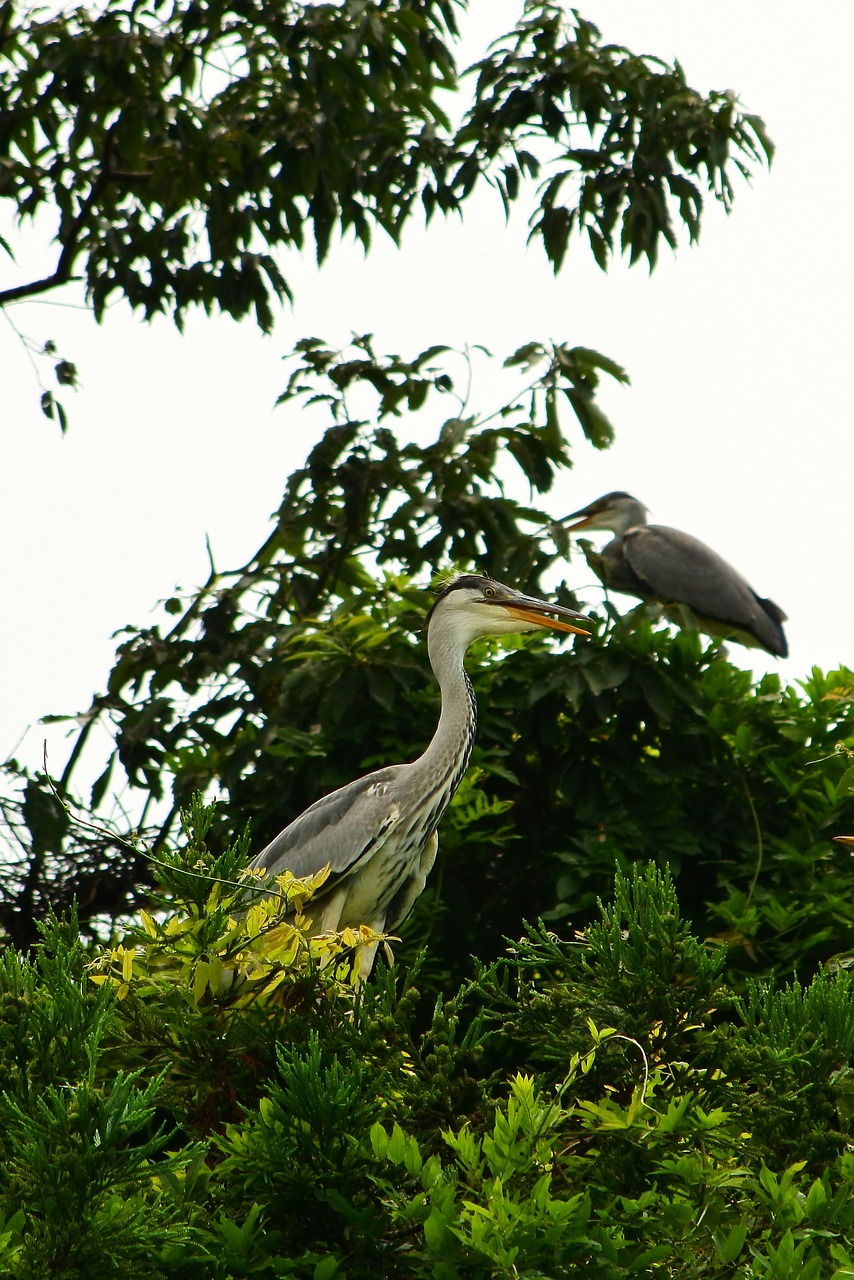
{"type": "Point", "coordinates": [758, 830]}
{"type": "Point", "coordinates": [136, 846]}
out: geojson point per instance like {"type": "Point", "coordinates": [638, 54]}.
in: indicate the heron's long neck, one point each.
{"type": "Point", "coordinates": [629, 516]}
{"type": "Point", "coordinates": [443, 764]}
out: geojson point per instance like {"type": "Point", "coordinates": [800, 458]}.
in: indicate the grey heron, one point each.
{"type": "Point", "coordinates": [378, 835]}
{"type": "Point", "coordinates": [655, 562]}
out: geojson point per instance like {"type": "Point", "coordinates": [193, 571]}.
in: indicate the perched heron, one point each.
{"type": "Point", "coordinates": [378, 834]}
{"type": "Point", "coordinates": [658, 563]}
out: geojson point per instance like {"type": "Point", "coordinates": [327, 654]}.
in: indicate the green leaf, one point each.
{"type": "Point", "coordinates": [816, 1201]}
{"type": "Point", "coordinates": [100, 785]}
{"type": "Point", "coordinates": [845, 786]}
{"type": "Point", "coordinates": [397, 1145]}
{"type": "Point", "coordinates": [46, 819]}
{"type": "Point", "coordinates": [728, 1247]}
{"type": "Point", "coordinates": [66, 373]}
{"type": "Point", "coordinates": [593, 421]}
{"type": "Point", "coordinates": [554, 226]}
{"type": "Point", "coordinates": [326, 1268]}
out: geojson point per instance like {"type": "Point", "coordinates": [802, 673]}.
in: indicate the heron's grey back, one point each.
{"type": "Point", "coordinates": [673, 566]}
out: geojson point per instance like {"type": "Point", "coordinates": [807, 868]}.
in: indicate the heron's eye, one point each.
{"type": "Point", "coordinates": [489, 591]}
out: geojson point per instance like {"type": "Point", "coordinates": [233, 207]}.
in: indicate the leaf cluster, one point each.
{"type": "Point", "coordinates": [181, 144]}
{"type": "Point", "coordinates": [632, 145]}
{"type": "Point", "coordinates": [181, 147]}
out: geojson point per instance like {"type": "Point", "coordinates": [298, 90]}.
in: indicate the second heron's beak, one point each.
{"type": "Point", "coordinates": [529, 609]}
{"type": "Point", "coordinates": [588, 516]}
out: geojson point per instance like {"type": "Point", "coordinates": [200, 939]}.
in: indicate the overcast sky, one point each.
{"type": "Point", "coordinates": [736, 426]}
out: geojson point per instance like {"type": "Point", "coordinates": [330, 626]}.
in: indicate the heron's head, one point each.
{"type": "Point", "coordinates": [616, 511]}
{"type": "Point", "coordinates": [472, 606]}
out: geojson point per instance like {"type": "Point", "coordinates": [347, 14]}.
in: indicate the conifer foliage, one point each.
{"type": "Point", "coordinates": [214, 1097]}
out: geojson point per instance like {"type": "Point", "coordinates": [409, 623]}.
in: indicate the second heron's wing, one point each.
{"type": "Point", "coordinates": [676, 568]}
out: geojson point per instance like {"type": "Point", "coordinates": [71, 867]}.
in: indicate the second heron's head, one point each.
{"type": "Point", "coordinates": [616, 511]}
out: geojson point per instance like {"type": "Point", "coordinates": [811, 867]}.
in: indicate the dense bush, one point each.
{"type": "Point", "coordinates": [214, 1097]}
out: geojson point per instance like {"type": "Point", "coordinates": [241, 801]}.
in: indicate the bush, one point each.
{"type": "Point", "coordinates": [217, 1096]}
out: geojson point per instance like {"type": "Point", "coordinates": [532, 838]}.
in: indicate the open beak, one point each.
{"type": "Point", "coordinates": [587, 515]}
{"type": "Point", "coordinates": [529, 609]}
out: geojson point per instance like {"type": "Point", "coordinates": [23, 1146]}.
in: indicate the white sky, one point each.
{"type": "Point", "coordinates": [736, 428]}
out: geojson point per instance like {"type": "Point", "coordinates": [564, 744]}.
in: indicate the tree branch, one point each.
{"type": "Point", "coordinates": [70, 248]}
{"type": "Point", "coordinates": [60, 276]}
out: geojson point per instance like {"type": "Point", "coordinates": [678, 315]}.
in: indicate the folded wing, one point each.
{"type": "Point", "coordinates": [673, 567]}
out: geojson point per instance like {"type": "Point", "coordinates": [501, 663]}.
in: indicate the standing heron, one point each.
{"type": "Point", "coordinates": [658, 563]}
{"type": "Point", "coordinates": [378, 835]}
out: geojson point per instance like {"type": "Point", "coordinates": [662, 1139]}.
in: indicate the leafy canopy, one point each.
{"type": "Point", "coordinates": [182, 146]}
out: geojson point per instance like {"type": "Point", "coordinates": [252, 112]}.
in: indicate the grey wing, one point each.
{"type": "Point", "coordinates": [343, 829]}
{"type": "Point", "coordinates": [676, 568]}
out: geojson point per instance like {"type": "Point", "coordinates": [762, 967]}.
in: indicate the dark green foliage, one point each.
{"type": "Point", "coordinates": [637, 967]}
{"type": "Point", "coordinates": [302, 1153]}
{"type": "Point", "coordinates": [643, 143]}
{"type": "Point", "coordinates": [183, 146]}
{"type": "Point", "coordinates": [286, 678]}
{"type": "Point", "coordinates": [644, 933]}
{"type": "Point", "coordinates": [184, 149]}
{"type": "Point", "coordinates": [799, 1042]}
{"type": "Point", "coordinates": [50, 1015]}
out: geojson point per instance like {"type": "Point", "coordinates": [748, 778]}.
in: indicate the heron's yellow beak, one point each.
{"type": "Point", "coordinates": [543, 620]}
{"type": "Point", "coordinates": [587, 518]}
{"type": "Point", "coordinates": [849, 840]}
